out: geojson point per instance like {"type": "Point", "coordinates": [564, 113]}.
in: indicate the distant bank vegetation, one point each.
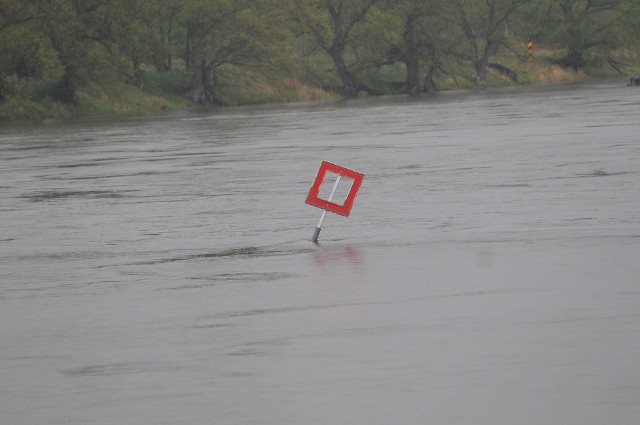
{"type": "Point", "coordinates": [61, 58]}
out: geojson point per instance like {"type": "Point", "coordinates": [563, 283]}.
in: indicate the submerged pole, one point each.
{"type": "Point", "coordinates": [316, 232]}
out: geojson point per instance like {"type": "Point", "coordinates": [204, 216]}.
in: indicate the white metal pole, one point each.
{"type": "Point", "coordinates": [316, 233]}
{"type": "Point", "coordinates": [324, 214]}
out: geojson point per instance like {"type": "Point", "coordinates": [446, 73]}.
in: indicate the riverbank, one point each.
{"type": "Point", "coordinates": [162, 91]}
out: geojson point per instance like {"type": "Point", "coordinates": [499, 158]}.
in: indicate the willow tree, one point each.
{"type": "Point", "coordinates": [162, 32]}
{"type": "Point", "coordinates": [242, 33]}
{"type": "Point", "coordinates": [146, 31]}
{"type": "Point", "coordinates": [482, 25]}
{"type": "Point", "coordinates": [15, 12]}
{"type": "Point", "coordinates": [587, 24]}
{"type": "Point", "coordinates": [331, 23]}
{"type": "Point", "coordinates": [88, 39]}
{"type": "Point", "coordinates": [20, 42]}
{"type": "Point", "coordinates": [422, 42]}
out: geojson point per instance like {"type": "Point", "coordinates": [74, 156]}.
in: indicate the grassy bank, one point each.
{"type": "Point", "coordinates": [163, 91]}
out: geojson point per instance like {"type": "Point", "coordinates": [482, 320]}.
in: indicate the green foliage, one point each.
{"type": "Point", "coordinates": [334, 26]}
{"type": "Point", "coordinates": [589, 29]}
{"type": "Point", "coordinates": [111, 56]}
{"type": "Point", "coordinates": [230, 32]}
{"type": "Point", "coordinates": [27, 54]}
{"type": "Point", "coordinates": [119, 98]}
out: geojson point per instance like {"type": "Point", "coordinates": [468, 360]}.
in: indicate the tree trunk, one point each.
{"type": "Point", "coordinates": [574, 59]}
{"type": "Point", "coordinates": [480, 72]}
{"type": "Point", "coordinates": [65, 89]}
{"type": "Point", "coordinates": [349, 85]}
{"type": "Point", "coordinates": [411, 60]}
{"type": "Point", "coordinates": [138, 73]}
{"type": "Point", "coordinates": [413, 75]}
{"type": "Point", "coordinates": [199, 91]}
{"type": "Point", "coordinates": [575, 47]}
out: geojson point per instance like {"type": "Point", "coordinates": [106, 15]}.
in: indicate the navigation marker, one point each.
{"type": "Point", "coordinates": [344, 208]}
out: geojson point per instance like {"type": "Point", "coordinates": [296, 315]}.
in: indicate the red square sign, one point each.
{"type": "Point", "coordinates": [345, 208]}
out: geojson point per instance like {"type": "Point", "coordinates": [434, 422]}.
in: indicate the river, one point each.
{"type": "Point", "coordinates": [159, 270]}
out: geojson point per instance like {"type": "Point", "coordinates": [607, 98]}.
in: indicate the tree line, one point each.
{"type": "Point", "coordinates": [68, 43]}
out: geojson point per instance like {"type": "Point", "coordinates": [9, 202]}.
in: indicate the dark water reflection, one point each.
{"type": "Point", "coordinates": [159, 270]}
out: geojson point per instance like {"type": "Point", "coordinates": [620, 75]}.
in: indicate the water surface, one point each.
{"type": "Point", "coordinates": [158, 269]}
